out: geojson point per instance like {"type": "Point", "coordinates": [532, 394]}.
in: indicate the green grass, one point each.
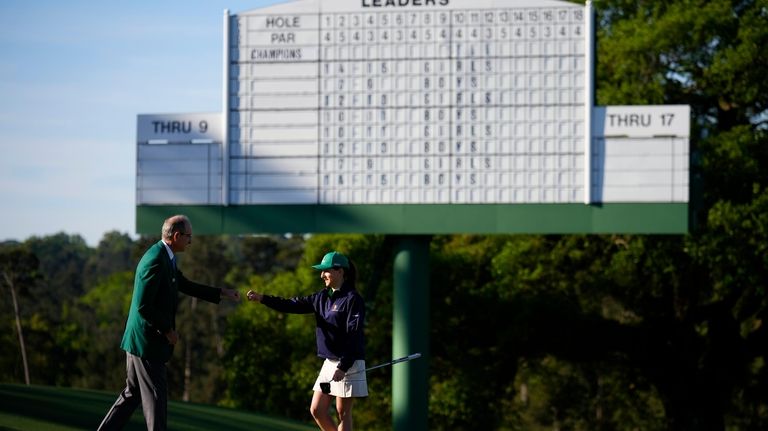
{"type": "Point", "coordinates": [44, 408]}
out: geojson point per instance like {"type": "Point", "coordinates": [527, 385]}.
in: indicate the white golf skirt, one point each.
{"type": "Point", "coordinates": [355, 385]}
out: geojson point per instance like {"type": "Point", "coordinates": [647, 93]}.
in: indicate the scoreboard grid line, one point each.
{"type": "Point", "coordinates": [403, 107]}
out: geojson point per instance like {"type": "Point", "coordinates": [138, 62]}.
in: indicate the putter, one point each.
{"type": "Point", "coordinates": [326, 386]}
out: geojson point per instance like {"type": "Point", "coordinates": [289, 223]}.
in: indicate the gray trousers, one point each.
{"type": "Point", "coordinates": [146, 384]}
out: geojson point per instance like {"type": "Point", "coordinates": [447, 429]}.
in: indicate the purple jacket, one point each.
{"type": "Point", "coordinates": [339, 321]}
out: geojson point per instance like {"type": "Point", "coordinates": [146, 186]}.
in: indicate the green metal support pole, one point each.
{"type": "Point", "coordinates": [410, 333]}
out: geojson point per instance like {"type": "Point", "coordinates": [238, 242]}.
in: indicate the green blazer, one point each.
{"type": "Point", "coordinates": [154, 302]}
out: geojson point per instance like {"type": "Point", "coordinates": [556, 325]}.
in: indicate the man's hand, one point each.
{"type": "Point", "coordinates": [253, 296]}
{"type": "Point", "coordinates": [230, 294]}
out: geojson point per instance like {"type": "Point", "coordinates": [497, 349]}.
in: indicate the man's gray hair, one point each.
{"type": "Point", "coordinates": [177, 223]}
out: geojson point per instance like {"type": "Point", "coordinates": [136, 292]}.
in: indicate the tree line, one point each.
{"type": "Point", "coordinates": [555, 332]}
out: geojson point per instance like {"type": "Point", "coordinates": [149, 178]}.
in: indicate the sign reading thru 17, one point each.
{"type": "Point", "coordinates": [642, 121]}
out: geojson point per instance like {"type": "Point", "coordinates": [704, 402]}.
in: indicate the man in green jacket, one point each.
{"type": "Point", "coordinates": [150, 331]}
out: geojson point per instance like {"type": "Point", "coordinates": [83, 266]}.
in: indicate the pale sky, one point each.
{"type": "Point", "coordinates": [74, 75]}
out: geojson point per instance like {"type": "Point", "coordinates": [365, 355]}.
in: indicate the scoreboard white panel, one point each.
{"type": "Point", "coordinates": [179, 159]}
{"type": "Point", "coordinates": [641, 154]}
{"type": "Point", "coordinates": [414, 102]}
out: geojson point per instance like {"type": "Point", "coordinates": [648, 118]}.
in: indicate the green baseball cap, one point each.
{"type": "Point", "coordinates": [333, 259]}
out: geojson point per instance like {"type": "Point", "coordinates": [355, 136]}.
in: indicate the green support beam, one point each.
{"type": "Point", "coordinates": [410, 333]}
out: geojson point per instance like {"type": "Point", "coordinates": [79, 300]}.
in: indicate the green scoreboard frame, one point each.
{"type": "Point", "coordinates": [550, 218]}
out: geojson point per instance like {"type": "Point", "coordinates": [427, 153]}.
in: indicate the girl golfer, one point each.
{"type": "Point", "coordinates": [339, 314]}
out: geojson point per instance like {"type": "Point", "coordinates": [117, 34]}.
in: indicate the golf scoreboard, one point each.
{"type": "Point", "coordinates": [387, 112]}
{"type": "Point", "coordinates": [411, 102]}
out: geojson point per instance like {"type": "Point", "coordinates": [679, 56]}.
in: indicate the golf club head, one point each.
{"type": "Point", "coordinates": [325, 387]}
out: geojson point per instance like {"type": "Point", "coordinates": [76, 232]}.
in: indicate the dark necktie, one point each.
{"type": "Point", "coordinates": [173, 263]}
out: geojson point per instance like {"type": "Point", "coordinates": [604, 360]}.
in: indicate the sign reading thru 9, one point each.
{"type": "Point", "coordinates": [460, 101]}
